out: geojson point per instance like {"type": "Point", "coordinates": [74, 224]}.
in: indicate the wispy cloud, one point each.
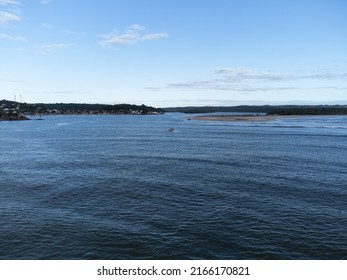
{"type": "Point", "coordinates": [12, 81]}
{"type": "Point", "coordinates": [9, 2]}
{"type": "Point", "coordinates": [327, 75]}
{"type": "Point", "coordinates": [6, 17]}
{"type": "Point", "coordinates": [155, 36]}
{"type": "Point", "coordinates": [241, 88]}
{"type": "Point", "coordinates": [53, 48]}
{"type": "Point", "coordinates": [132, 35]}
{"type": "Point", "coordinates": [46, 26]}
{"type": "Point", "coordinates": [246, 74]}
{"type": "Point", "coordinates": [13, 38]}
{"type": "Point", "coordinates": [245, 80]}
{"type": "Point", "coordinates": [135, 28]}
{"type": "Point", "coordinates": [45, 2]}
{"type": "Point", "coordinates": [9, 11]}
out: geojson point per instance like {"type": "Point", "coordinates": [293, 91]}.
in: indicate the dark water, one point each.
{"type": "Point", "coordinates": [123, 187]}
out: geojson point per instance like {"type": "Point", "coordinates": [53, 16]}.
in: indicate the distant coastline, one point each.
{"type": "Point", "coordinates": [12, 110]}
{"type": "Point", "coordinates": [14, 118]}
{"type": "Point", "coordinates": [266, 109]}
{"type": "Point", "coordinates": [262, 113]}
{"type": "Point", "coordinates": [245, 118]}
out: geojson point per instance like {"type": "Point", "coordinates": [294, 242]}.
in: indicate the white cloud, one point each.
{"type": "Point", "coordinates": [6, 17]}
{"type": "Point", "coordinates": [155, 36]}
{"type": "Point", "coordinates": [9, 2]}
{"type": "Point", "coordinates": [9, 11]}
{"type": "Point", "coordinates": [52, 48]}
{"type": "Point", "coordinates": [113, 39]}
{"type": "Point", "coordinates": [14, 38]}
{"type": "Point", "coordinates": [134, 34]}
{"type": "Point", "coordinates": [135, 28]}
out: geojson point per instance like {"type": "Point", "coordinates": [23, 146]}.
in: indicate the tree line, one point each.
{"type": "Point", "coordinates": [77, 108]}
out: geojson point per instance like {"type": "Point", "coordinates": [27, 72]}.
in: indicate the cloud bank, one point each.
{"type": "Point", "coordinates": [246, 74]}
{"type": "Point", "coordinates": [246, 80]}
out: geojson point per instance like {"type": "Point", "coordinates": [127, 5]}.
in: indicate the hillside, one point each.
{"type": "Point", "coordinates": [13, 108]}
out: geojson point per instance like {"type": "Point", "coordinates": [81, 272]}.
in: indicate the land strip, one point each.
{"type": "Point", "coordinates": [246, 118]}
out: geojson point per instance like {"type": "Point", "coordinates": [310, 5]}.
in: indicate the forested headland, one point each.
{"type": "Point", "coordinates": [266, 109]}
{"type": "Point", "coordinates": [13, 110]}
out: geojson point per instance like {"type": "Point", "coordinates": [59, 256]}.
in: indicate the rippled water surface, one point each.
{"type": "Point", "coordinates": [123, 187]}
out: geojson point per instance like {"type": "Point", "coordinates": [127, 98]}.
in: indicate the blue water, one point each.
{"type": "Point", "coordinates": [123, 187]}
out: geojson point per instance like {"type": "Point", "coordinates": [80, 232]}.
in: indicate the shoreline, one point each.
{"type": "Point", "coordinates": [10, 119]}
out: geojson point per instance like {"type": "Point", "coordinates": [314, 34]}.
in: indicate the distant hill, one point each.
{"type": "Point", "coordinates": [212, 109]}
{"type": "Point", "coordinates": [268, 109]}
{"type": "Point", "coordinates": [310, 110]}
{"type": "Point", "coordinates": [15, 109]}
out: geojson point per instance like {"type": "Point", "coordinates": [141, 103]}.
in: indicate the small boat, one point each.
{"type": "Point", "coordinates": [171, 129]}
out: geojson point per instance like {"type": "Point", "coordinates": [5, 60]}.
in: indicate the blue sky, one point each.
{"type": "Point", "coordinates": [174, 53]}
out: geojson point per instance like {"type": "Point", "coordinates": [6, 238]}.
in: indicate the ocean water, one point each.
{"type": "Point", "coordinates": [123, 187]}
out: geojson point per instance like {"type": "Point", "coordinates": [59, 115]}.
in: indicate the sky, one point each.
{"type": "Point", "coordinates": [175, 52]}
